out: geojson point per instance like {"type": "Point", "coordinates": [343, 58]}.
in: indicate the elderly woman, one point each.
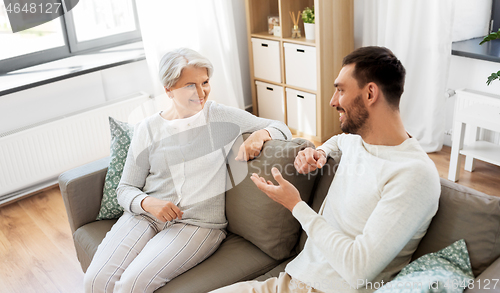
{"type": "Point", "coordinates": [173, 182]}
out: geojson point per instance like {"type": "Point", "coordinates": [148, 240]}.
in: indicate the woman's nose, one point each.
{"type": "Point", "coordinates": [201, 92]}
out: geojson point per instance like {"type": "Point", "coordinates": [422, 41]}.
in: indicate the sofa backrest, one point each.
{"type": "Point", "coordinates": [257, 218]}
{"type": "Point", "coordinates": [465, 213]}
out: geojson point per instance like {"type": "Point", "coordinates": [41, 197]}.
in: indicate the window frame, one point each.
{"type": "Point", "coordinates": [71, 45]}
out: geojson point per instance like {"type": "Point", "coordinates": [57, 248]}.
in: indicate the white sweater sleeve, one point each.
{"type": "Point", "coordinates": [136, 170]}
{"type": "Point", "coordinates": [407, 202]}
{"type": "Point", "coordinates": [332, 145]}
{"type": "Point", "coordinates": [251, 123]}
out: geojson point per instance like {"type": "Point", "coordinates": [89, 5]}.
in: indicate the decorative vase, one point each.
{"type": "Point", "coordinates": [309, 31]}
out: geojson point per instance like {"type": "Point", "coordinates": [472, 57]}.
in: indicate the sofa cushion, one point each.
{"type": "Point", "coordinates": [88, 237]}
{"type": "Point", "coordinates": [465, 214]}
{"type": "Point", "coordinates": [257, 218]}
{"type": "Point", "coordinates": [235, 260]}
{"type": "Point", "coordinates": [121, 135]}
{"type": "Point", "coordinates": [487, 281]}
{"type": "Point", "coordinates": [320, 190]}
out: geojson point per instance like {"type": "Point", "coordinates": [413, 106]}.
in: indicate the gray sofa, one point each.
{"type": "Point", "coordinates": [263, 236]}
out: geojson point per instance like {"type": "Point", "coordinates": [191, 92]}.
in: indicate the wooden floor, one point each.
{"type": "Point", "coordinates": [36, 247]}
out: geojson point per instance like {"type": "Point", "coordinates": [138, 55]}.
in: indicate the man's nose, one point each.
{"type": "Point", "coordinates": [334, 102]}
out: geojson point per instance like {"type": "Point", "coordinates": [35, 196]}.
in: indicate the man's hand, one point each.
{"type": "Point", "coordinates": [285, 193]}
{"type": "Point", "coordinates": [253, 145]}
{"type": "Point", "coordinates": [163, 210]}
{"type": "Point", "coordinates": [309, 160]}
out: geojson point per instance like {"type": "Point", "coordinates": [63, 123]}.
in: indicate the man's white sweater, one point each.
{"type": "Point", "coordinates": [378, 207]}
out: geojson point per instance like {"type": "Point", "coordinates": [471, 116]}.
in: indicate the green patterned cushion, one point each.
{"type": "Point", "coordinates": [447, 270]}
{"type": "Point", "coordinates": [121, 134]}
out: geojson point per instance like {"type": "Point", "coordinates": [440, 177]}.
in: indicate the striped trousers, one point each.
{"type": "Point", "coordinates": [140, 254]}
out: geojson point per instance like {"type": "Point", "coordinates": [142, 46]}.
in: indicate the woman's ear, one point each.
{"type": "Point", "coordinates": [169, 92]}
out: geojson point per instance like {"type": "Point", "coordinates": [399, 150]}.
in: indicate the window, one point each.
{"type": "Point", "coordinates": [495, 16]}
{"type": "Point", "coordinates": [471, 19]}
{"type": "Point", "coordinates": [90, 25]}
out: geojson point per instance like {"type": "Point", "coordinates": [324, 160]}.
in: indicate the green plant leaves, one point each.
{"type": "Point", "coordinates": [308, 15]}
{"type": "Point", "coordinates": [492, 77]}
{"type": "Point", "coordinates": [492, 36]}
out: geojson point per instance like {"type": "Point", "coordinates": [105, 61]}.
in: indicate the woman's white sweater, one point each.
{"type": "Point", "coordinates": [184, 161]}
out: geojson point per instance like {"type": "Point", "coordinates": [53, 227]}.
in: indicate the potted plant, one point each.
{"type": "Point", "coordinates": [308, 18]}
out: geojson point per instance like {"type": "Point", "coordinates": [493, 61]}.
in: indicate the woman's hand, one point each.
{"type": "Point", "coordinates": [253, 145]}
{"type": "Point", "coordinates": [309, 160]}
{"type": "Point", "coordinates": [285, 193]}
{"type": "Point", "coordinates": [163, 210]}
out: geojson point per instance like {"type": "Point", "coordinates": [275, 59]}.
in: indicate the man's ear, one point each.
{"type": "Point", "coordinates": [373, 92]}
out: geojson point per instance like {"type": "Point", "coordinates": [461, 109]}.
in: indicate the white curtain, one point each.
{"type": "Point", "coordinates": [419, 34]}
{"type": "Point", "coordinates": [207, 26]}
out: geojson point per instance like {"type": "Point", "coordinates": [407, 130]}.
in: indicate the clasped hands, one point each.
{"type": "Point", "coordinates": [163, 210]}
{"type": "Point", "coordinates": [285, 193]}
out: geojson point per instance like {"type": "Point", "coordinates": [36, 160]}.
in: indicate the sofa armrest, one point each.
{"type": "Point", "coordinates": [81, 189]}
{"type": "Point", "coordinates": [489, 280]}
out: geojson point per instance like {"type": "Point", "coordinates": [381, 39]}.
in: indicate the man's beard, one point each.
{"type": "Point", "coordinates": [356, 118]}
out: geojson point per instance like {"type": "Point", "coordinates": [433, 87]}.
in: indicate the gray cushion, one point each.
{"type": "Point", "coordinates": [257, 218]}
{"type": "Point", "coordinates": [88, 237]}
{"type": "Point", "coordinates": [487, 281]}
{"type": "Point", "coordinates": [320, 190]}
{"type": "Point", "coordinates": [465, 214]}
{"type": "Point", "coordinates": [275, 272]}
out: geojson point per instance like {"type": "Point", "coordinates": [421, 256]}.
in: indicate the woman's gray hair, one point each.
{"type": "Point", "coordinates": [172, 64]}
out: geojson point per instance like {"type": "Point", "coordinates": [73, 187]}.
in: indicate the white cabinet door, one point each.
{"type": "Point", "coordinates": [300, 66]}
{"type": "Point", "coordinates": [266, 59]}
{"type": "Point", "coordinates": [301, 111]}
{"type": "Point", "coordinates": [270, 100]}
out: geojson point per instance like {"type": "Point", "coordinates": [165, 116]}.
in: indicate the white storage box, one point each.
{"type": "Point", "coordinates": [266, 59]}
{"type": "Point", "coordinates": [300, 66]}
{"type": "Point", "coordinates": [301, 111]}
{"type": "Point", "coordinates": [270, 101]}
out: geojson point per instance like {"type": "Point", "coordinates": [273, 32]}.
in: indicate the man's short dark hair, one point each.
{"type": "Point", "coordinates": [381, 66]}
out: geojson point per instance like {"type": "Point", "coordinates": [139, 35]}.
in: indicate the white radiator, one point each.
{"type": "Point", "coordinates": [33, 157]}
{"type": "Point", "coordinates": [466, 98]}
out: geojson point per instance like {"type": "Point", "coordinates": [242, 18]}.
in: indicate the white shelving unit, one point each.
{"type": "Point", "coordinates": [303, 70]}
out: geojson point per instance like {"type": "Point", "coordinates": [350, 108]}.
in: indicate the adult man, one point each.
{"type": "Point", "coordinates": [383, 196]}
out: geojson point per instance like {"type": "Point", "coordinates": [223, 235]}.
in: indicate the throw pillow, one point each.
{"type": "Point", "coordinates": [448, 270]}
{"type": "Point", "coordinates": [257, 218]}
{"type": "Point", "coordinates": [121, 135]}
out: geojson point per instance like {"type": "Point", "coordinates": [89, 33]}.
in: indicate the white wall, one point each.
{"type": "Point", "coordinates": [48, 101]}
